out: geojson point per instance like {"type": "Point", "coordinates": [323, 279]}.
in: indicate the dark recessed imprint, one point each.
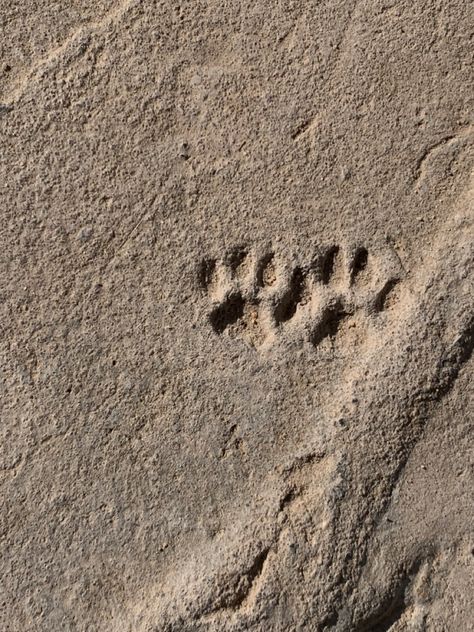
{"type": "Point", "coordinates": [254, 296]}
{"type": "Point", "coordinates": [236, 258]}
{"type": "Point", "coordinates": [205, 272]}
{"type": "Point", "coordinates": [227, 314]}
{"type": "Point", "coordinates": [287, 304]}
{"type": "Point", "coordinates": [359, 264]}
{"type": "Point", "coordinates": [329, 324]}
{"type": "Point", "coordinates": [380, 300]}
{"type": "Point", "coordinates": [328, 264]}
{"type": "Point", "coordinates": [265, 273]}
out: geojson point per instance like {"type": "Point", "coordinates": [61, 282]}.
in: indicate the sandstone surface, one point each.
{"type": "Point", "coordinates": [237, 281]}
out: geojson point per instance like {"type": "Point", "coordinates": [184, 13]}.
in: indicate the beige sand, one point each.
{"type": "Point", "coordinates": [237, 316]}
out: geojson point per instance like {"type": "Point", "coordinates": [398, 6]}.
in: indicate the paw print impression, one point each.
{"type": "Point", "coordinates": [238, 286]}
{"type": "Point", "coordinates": [348, 286]}
{"type": "Point", "coordinates": [264, 300]}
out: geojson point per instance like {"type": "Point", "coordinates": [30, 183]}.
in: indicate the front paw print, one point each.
{"type": "Point", "coordinates": [348, 287]}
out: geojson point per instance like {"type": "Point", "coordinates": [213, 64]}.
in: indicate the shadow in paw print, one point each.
{"type": "Point", "coordinates": [381, 300]}
{"type": "Point", "coordinates": [329, 324]}
{"type": "Point", "coordinates": [286, 307]}
{"type": "Point", "coordinates": [236, 258]}
{"type": "Point", "coordinates": [329, 264]}
{"type": "Point", "coordinates": [227, 314]}
{"type": "Point", "coordinates": [359, 263]}
{"type": "Point", "coordinates": [206, 271]}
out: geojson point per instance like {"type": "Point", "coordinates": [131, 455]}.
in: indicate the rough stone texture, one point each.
{"type": "Point", "coordinates": [237, 315]}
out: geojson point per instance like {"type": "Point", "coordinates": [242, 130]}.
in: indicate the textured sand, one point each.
{"type": "Point", "coordinates": [237, 281]}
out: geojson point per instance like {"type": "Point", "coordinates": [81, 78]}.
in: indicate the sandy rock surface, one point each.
{"type": "Point", "coordinates": [237, 282]}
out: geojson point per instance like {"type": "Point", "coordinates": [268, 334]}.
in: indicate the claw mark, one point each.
{"type": "Point", "coordinates": [329, 263]}
{"type": "Point", "coordinates": [207, 269]}
{"type": "Point", "coordinates": [286, 307]}
{"type": "Point", "coordinates": [266, 274]}
{"type": "Point", "coordinates": [380, 302]}
{"type": "Point", "coordinates": [359, 264]}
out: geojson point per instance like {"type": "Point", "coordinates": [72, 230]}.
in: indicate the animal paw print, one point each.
{"type": "Point", "coordinates": [263, 299]}
{"type": "Point", "coordinates": [240, 287]}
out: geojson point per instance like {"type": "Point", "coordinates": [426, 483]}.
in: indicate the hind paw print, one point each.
{"type": "Point", "coordinates": [264, 300]}
{"type": "Point", "coordinates": [242, 288]}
